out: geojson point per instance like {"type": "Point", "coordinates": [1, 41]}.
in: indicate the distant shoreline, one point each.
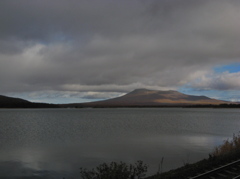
{"type": "Point", "coordinates": [71, 106]}
{"type": "Point", "coordinates": [153, 106]}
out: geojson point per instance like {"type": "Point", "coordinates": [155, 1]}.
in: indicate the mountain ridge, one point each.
{"type": "Point", "coordinates": [6, 99]}
{"type": "Point", "coordinates": [152, 98]}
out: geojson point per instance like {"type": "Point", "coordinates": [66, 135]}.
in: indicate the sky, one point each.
{"type": "Point", "coordinates": [62, 51]}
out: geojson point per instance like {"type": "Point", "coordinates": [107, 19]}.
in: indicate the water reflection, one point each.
{"type": "Point", "coordinates": [17, 169]}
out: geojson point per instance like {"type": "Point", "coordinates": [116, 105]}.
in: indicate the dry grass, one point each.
{"type": "Point", "coordinates": [229, 146]}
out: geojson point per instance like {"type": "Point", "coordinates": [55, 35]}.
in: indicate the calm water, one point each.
{"type": "Point", "coordinates": [55, 143]}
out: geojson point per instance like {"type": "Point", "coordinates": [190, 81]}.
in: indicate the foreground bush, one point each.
{"type": "Point", "coordinates": [115, 171]}
{"type": "Point", "coordinates": [229, 146]}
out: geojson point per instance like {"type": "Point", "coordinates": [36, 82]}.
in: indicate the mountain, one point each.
{"type": "Point", "coordinates": [10, 102]}
{"type": "Point", "coordinates": [152, 98]}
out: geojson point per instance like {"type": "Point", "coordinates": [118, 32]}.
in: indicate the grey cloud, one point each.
{"type": "Point", "coordinates": [99, 95]}
{"type": "Point", "coordinates": [85, 45]}
{"type": "Point", "coordinates": [44, 20]}
{"type": "Point", "coordinates": [223, 81]}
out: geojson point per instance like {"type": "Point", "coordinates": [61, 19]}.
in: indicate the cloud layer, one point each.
{"type": "Point", "coordinates": [223, 81]}
{"type": "Point", "coordinates": [117, 46]}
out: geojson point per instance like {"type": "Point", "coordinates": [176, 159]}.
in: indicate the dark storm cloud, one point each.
{"type": "Point", "coordinates": [46, 20]}
{"type": "Point", "coordinates": [114, 45]}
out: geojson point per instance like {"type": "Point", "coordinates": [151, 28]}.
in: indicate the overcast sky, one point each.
{"type": "Point", "coordinates": [63, 51]}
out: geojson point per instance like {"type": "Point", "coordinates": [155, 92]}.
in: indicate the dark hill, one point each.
{"type": "Point", "coordinates": [5, 99]}
{"type": "Point", "coordinates": [10, 102]}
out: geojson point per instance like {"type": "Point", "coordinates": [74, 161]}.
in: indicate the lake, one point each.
{"type": "Point", "coordinates": [55, 143]}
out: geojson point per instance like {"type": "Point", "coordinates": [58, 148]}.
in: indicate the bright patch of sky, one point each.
{"type": "Point", "coordinates": [231, 68]}
{"type": "Point", "coordinates": [232, 95]}
{"type": "Point", "coordinates": [63, 97]}
{"type": "Point", "coordinates": [48, 97]}
{"type": "Point", "coordinates": [227, 95]}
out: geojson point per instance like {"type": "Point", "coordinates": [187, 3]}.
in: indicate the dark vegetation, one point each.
{"type": "Point", "coordinates": [225, 105]}
{"type": "Point", "coordinates": [86, 105]}
{"type": "Point", "coordinates": [28, 105]}
{"type": "Point", "coordinates": [116, 170]}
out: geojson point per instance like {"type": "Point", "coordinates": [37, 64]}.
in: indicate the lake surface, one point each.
{"type": "Point", "coordinates": [55, 143]}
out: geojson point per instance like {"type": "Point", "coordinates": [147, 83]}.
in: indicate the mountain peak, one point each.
{"type": "Point", "coordinates": [144, 91]}
{"type": "Point", "coordinates": [140, 90]}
